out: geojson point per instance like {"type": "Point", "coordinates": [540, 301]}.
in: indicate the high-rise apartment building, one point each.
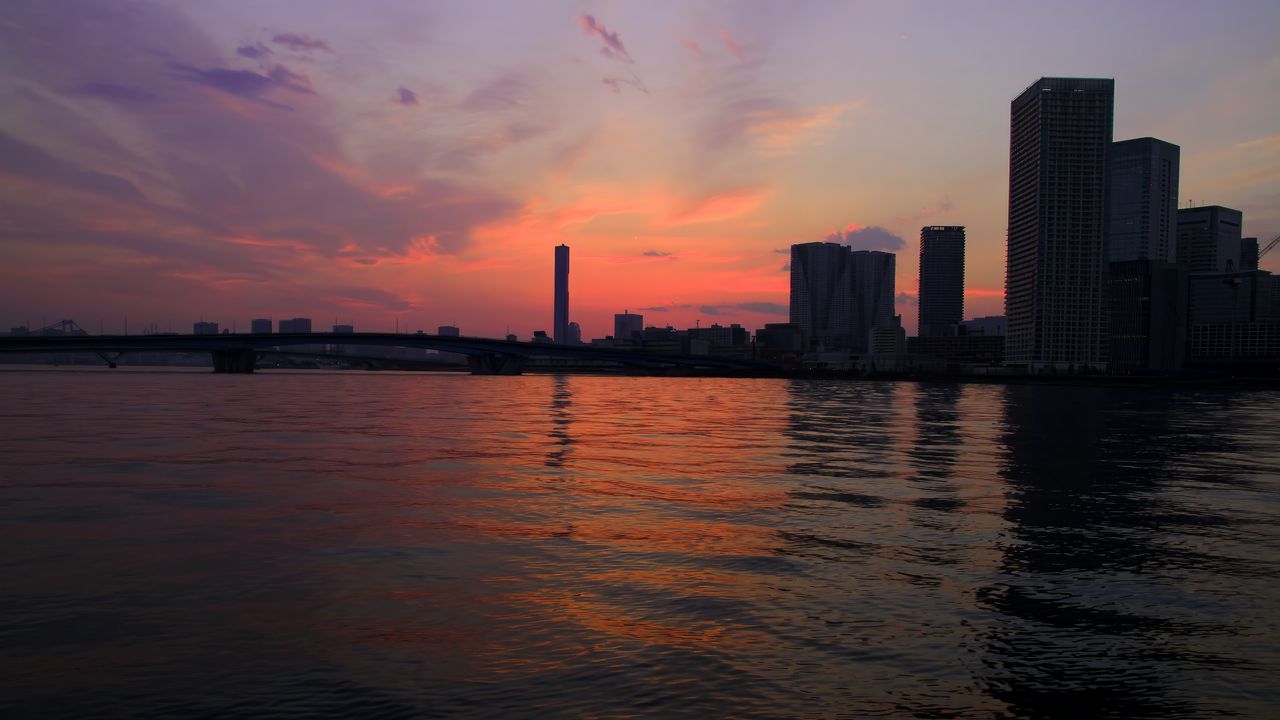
{"type": "Point", "coordinates": [560, 321]}
{"type": "Point", "coordinates": [260, 326]}
{"type": "Point", "coordinates": [205, 328]}
{"type": "Point", "coordinates": [941, 280]}
{"type": "Point", "coordinates": [1060, 142]}
{"type": "Point", "coordinates": [839, 295]}
{"type": "Point", "coordinates": [872, 273]}
{"type": "Point", "coordinates": [821, 304]}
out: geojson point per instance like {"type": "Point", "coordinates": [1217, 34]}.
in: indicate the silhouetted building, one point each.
{"type": "Point", "coordinates": [821, 301]}
{"type": "Point", "coordinates": [780, 343]}
{"type": "Point", "coordinates": [1209, 239]}
{"type": "Point", "coordinates": [1234, 319]}
{"type": "Point", "coordinates": [627, 326]}
{"type": "Point", "coordinates": [873, 276]}
{"type": "Point", "coordinates": [838, 295]}
{"type": "Point", "coordinates": [573, 334]}
{"type": "Point", "coordinates": [732, 341]}
{"type": "Point", "coordinates": [205, 328]}
{"type": "Point", "coordinates": [511, 337]}
{"type": "Point", "coordinates": [988, 325]}
{"type": "Point", "coordinates": [1144, 200]}
{"type": "Point", "coordinates": [560, 323]}
{"type": "Point", "coordinates": [888, 339]}
{"type": "Point", "coordinates": [448, 331]}
{"type": "Point", "coordinates": [1249, 253]}
{"type": "Point", "coordinates": [1147, 309]}
{"type": "Point", "coordinates": [260, 326]}
{"type": "Point", "coordinates": [295, 325]}
{"type": "Point", "coordinates": [941, 280]}
{"type": "Point", "coordinates": [1060, 140]}
{"type": "Point", "coordinates": [540, 336]}
{"type": "Point", "coordinates": [1146, 292]}
{"type": "Point", "coordinates": [977, 349]}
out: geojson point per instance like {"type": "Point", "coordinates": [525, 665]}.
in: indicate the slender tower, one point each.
{"type": "Point", "coordinates": [560, 323]}
{"type": "Point", "coordinates": [1060, 142]}
{"type": "Point", "coordinates": [941, 280]}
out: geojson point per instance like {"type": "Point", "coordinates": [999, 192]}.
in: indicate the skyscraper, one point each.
{"type": "Point", "coordinates": [1146, 294]}
{"type": "Point", "coordinates": [821, 304]}
{"type": "Point", "coordinates": [1060, 142]}
{"type": "Point", "coordinates": [941, 280]}
{"type": "Point", "coordinates": [1209, 238]}
{"type": "Point", "coordinates": [838, 295]}
{"type": "Point", "coordinates": [872, 292]}
{"type": "Point", "coordinates": [560, 322]}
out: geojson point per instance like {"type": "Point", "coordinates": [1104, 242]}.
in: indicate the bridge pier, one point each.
{"type": "Point", "coordinates": [234, 361]}
{"type": "Point", "coordinates": [495, 364]}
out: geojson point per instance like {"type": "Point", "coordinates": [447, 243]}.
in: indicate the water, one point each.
{"type": "Point", "coordinates": [385, 545]}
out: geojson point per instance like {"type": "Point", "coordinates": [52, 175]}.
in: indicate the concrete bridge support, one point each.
{"type": "Point", "coordinates": [495, 364]}
{"type": "Point", "coordinates": [234, 361]}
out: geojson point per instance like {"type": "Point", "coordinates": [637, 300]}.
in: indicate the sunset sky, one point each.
{"type": "Point", "coordinates": [416, 162]}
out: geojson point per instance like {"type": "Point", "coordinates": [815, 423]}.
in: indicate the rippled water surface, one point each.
{"type": "Point", "coordinates": [387, 545]}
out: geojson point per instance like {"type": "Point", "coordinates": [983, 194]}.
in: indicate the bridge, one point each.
{"type": "Point", "coordinates": [240, 353]}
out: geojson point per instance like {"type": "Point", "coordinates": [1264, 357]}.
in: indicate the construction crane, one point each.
{"type": "Point", "coordinates": [1274, 241]}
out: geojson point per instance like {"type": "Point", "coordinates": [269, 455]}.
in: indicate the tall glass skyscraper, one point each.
{"type": "Point", "coordinates": [941, 280]}
{"type": "Point", "coordinates": [560, 321]}
{"type": "Point", "coordinates": [1060, 141]}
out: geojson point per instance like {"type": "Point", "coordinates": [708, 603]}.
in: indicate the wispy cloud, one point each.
{"type": "Point", "coordinates": [616, 83]}
{"type": "Point", "coordinates": [656, 253]}
{"type": "Point", "coordinates": [253, 51]}
{"type": "Point", "coordinates": [611, 43]}
{"type": "Point", "coordinates": [941, 207]}
{"type": "Point", "coordinates": [692, 46]}
{"type": "Point", "coordinates": [732, 46]}
{"type": "Point", "coordinates": [301, 43]}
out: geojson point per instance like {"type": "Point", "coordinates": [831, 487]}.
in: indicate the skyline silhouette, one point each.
{"type": "Point", "coordinates": [267, 164]}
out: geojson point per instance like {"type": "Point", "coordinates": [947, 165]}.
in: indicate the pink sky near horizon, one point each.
{"type": "Point", "coordinates": [414, 165]}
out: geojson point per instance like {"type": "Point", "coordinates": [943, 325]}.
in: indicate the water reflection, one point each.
{"type": "Point", "coordinates": [311, 544]}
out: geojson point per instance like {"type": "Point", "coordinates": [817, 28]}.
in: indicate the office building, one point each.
{"type": "Point", "coordinates": [941, 280]}
{"type": "Point", "coordinates": [448, 331]}
{"type": "Point", "coordinates": [888, 338]}
{"type": "Point", "coordinates": [1209, 239]}
{"type": "Point", "coordinates": [1060, 141]}
{"type": "Point", "coordinates": [1146, 292]}
{"type": "Point", "coordinates": [1143, 200]}
{"type": "Point", "coordinates": [821, 303]}
{"type": "Point", "coordinates": [295, 325]}
{"type": "Point", "coordinates": [573, 334]}
{"type": "Point", "coordinates": [560, 321]}
{"type": "Point", "coordinates": [627, 326]}
{"type": "Point", "coordinates": [205, 328]}
{"type": "Point", "coordinates": [260, 326]}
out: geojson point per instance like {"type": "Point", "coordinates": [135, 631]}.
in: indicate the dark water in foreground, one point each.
{"type": "Point", "coordinates": [383, 545]}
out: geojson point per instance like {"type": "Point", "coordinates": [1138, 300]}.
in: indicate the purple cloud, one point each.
{"type": "Point", "coordinates": [407, 97]}
{"type": "Point", "coordinates": [256, 51]}
{"type": "Point", "coordinates": [616, 83]}
{"type": "Point", "coordinates": [247, 83]}
{"type": "Point", "coordinates": [114, 92]}
{"type": "Point", "coordinates": [868, 238]}
{"type": "Point", "coordinates": [656, 253]}
{"type": "Point", "coordinates": [612, 45]}
{"type": "Point", "coordinates": [301, 43]}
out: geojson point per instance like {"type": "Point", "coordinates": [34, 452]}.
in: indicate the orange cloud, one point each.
{"type": "Point", "coordinates": [779, 132]}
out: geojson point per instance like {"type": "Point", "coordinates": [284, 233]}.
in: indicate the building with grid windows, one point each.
{"type": "Point", "coordinates": [941, 280]}
{"type": "Point", "coordinates": [1060, 142]}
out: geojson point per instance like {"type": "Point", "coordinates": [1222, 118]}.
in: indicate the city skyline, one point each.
{"type": "Point", "coordinates": [269, 164]}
